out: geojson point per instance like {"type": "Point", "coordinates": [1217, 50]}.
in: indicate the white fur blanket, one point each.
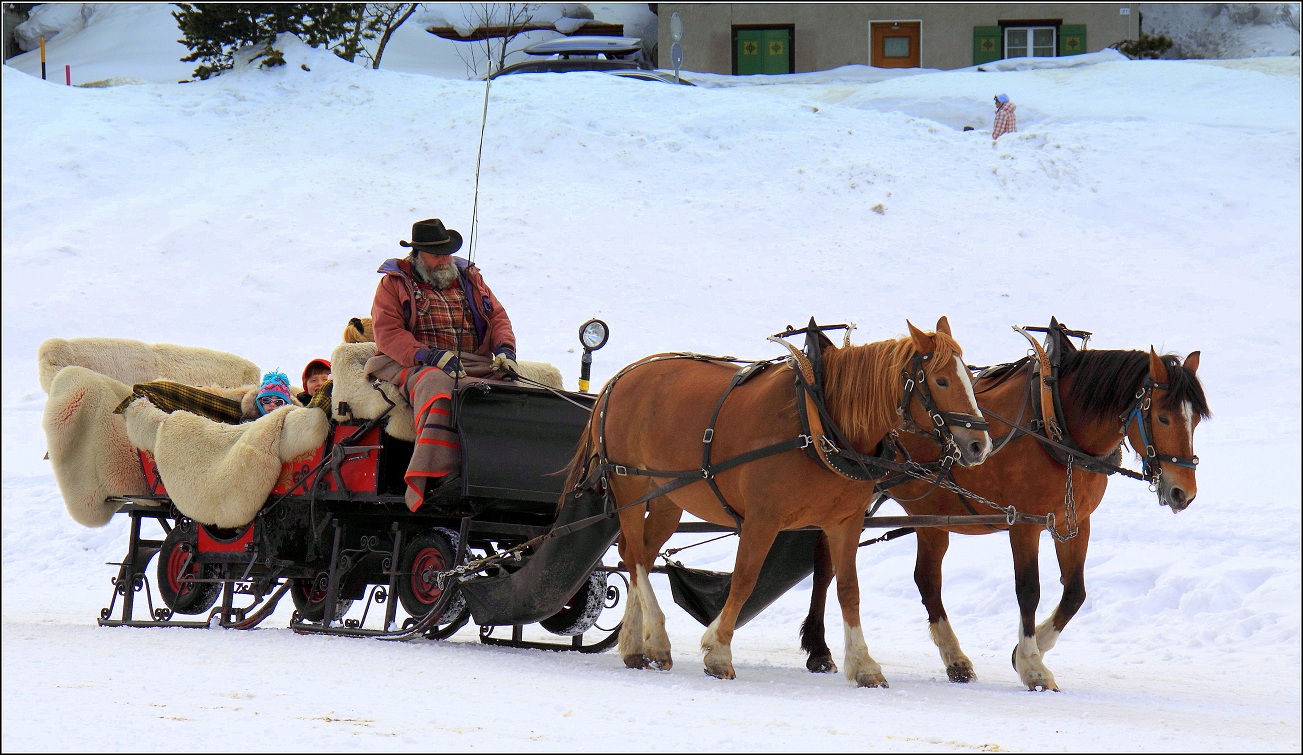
{"type": "Point", "coordinates": [219, 474]}
{"type": "Point", "coordinates": [132, 362]}
{"type": "Point", "coordinates": [348, 365]}
{"type": "Point", "coordinates": [92, 457]}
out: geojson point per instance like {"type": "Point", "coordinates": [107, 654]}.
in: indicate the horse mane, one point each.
{"type": "Point", "coordinates": [1107, 381]}
{"type": "Point", "coordinates": [863, 386]}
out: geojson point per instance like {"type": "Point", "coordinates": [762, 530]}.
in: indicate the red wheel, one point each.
{"type": "Point", "coordinates": [309, 597]}
{"type": "Point", "coordinates": [178, 570]}
{"type": "Point", "coordinates": [423, 558]}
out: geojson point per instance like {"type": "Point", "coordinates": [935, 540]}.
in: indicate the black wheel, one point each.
{"type": "Point", "coordinates": [580, 612]}
{"type": "Point", "coordinates": [309, 597]}
{"type": "Point", "coordinates": [177, 570]}
{"type": "Point", "coordinates": [422, 558]}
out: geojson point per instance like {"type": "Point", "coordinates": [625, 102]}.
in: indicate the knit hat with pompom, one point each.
{"type": "Point", "coordinates": [273, 384]}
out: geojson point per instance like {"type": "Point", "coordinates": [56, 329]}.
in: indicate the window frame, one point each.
{"type": "Point", "coordinates": [1031, 26]}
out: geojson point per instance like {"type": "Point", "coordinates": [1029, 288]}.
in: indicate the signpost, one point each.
{"type": "Point", "coordinates": [676, 49]}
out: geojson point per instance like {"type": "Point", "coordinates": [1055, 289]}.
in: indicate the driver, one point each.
{"type": "Point", "coordinates": [435, 322]}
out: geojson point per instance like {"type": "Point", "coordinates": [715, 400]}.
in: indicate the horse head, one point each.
{"type": "Point", "coordinates": [1160, 426]}
{"type": "Point", "coordinates": [938, 394]}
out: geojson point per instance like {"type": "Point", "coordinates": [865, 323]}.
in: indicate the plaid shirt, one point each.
{"type": "Point", "coordinates": [442, 315]}
{"type": "Point", "coordinates": [395, 312]}
{"type": "Point", "coordinates": [1005, 120]}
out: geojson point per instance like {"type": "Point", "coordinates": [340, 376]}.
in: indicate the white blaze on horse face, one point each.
{"type": "Point", "coordinates": [1187, 413]}
{"type": "Point", "coordinates": [962, 370]}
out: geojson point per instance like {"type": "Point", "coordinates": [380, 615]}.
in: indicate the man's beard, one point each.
{"type": "Point", "coordinates": [439, 277]}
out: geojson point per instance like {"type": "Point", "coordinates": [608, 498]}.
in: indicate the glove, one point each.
{"type": "Point", "coordinates": [504, 361]}
{"type": "Point", "coordinates": [444, 360]}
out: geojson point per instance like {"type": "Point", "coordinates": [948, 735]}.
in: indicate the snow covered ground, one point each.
{"type": "Point", "coordinates": [1151, 202]}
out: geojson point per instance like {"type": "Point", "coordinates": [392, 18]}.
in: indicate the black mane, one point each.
{"type": "Point", "coordinates": [1107, 381]}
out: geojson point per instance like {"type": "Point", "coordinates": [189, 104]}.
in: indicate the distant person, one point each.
{"type": "Point", "coordinates": [436, 321]}
{"type": "Point", "coordinates": [1006, 122]}
{"type": "Point", "coordinates": [315, 375]}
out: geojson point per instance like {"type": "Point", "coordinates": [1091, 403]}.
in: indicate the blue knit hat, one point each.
{"type": "Point", "coordinates": [1002, 98]}
{"type": "Point", "coordinates": [275, 384]}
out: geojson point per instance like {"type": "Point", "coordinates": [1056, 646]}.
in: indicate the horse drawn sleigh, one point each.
{"type": "Point", "coordinates": [793, 455]}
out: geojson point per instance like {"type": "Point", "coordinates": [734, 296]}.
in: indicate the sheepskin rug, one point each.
{"type": "Point", "coordinates": [364, 401]}
{"type": "Point", "coordinates": [219, 474]}
{"type": "Point", "coordinates": [132, 362]}
{"type": "Point", "coordinates": [92, 456]}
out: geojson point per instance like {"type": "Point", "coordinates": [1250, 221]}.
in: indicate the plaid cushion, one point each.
{"type": "Point", "coordinates": [170, 396]}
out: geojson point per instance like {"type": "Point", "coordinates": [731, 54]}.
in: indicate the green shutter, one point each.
{"type": "Point", "coordinates": [1072, 39]}
{"type": "Point", "coordinates": [988, 44]}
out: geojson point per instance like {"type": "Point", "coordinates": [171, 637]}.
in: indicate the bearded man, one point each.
{"type": "Point", "coordinates": [436, 322]}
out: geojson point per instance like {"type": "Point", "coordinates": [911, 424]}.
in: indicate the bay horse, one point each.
{"type": "Point", "coordinates": [668, 412]}
{"type": "Point", "coordinates": [1106, 396]}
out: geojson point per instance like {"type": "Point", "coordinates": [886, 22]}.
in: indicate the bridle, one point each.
{"type": "Point", "coordinates": [1140, 412]}
{"type": "Point", "coordinates": [915, 385]}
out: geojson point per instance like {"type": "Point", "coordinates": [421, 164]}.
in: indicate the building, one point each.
{"type": "Point", "coordinates": [749, 38]}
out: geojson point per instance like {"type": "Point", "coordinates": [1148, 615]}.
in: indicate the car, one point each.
{"type": "Point", "coordinates": [618, 56]}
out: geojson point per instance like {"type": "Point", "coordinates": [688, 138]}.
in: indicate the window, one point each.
{"type": "Point", "coordinates": [895, 47]}
{"type": "Point", "coordinates": [1030, 41]}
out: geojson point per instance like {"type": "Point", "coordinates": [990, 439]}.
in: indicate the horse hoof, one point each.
{"type": "Point", "coordinates": [1039, 687]}
{"type": "Point", "coordinates": [871, 680]}
{"type": "Point", "coordinates": [637, 660]}
{"type": "Point", "coordinates": [720, 672]}
{"type": "Point", "coordinates": [961, 674]}
{"type": "Point", "coordinates": [823, 665]}
{"type": "Point", "coordinates": [662, 664]}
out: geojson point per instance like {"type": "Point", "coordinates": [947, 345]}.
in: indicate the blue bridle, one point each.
{"type": "Point", "coordinates": [1139, 413]}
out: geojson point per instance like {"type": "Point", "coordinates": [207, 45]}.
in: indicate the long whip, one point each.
{"type": "Point", "coordinates": [479, 158]}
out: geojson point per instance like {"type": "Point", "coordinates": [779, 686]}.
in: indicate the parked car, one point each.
{"type": "Point", "coordinates": [618, 56]}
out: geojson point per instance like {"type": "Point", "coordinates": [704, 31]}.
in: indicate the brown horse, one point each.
{"type": "Point", "coordinates": [1153, 402]}
{"type": "Point", "coordinates": [668, 412]}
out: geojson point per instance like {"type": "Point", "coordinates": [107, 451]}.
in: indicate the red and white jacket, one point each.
{"type": "Point", "coordinates": [1006, 122]}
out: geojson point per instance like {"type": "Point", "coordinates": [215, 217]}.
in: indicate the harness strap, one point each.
{"type": "Point", "coordinates": [708, 438]}
{"type": "Point", "coordinates": [708, 470]}
{"type": "Point", "coordinates": [1079, 458]}
{"type": "Point", "coordinates": [680, 479]}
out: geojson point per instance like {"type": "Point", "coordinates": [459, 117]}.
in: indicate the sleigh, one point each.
{"type": "Point", "coordinates": [512, 550]}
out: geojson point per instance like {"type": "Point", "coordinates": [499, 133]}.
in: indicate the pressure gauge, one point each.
{"type": "Point", "coordinates": [593, 335]}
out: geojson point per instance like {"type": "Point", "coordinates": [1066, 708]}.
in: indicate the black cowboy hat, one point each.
{"type": "Point", "coordinates": [431, 237]}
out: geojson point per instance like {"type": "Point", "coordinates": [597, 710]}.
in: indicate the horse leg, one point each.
{"type": "Point", "coordinates": [1072, 575]}
{"type": "Point", "coordinates": [843, 544]}
{"type": "Point", "coordinates": [754, 542]}
{"type": "Point", "coordinates": [813, 635]}
{"type": "Point", "coordinates": [1025, 541]}
{"type": "Point", "coordinates": [661, 522]}
{"type": "Point", "coordinates": [631, 635]}
{"type": "Point", "coordinates": [932, 546]}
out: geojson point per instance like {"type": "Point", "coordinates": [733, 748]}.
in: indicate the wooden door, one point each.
{"type": "Point", "coordinates": [894, 44]}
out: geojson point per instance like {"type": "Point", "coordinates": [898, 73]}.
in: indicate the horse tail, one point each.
{"type": "Point", "coordinates": [578, 469]}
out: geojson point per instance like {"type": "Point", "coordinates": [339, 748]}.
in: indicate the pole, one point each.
{"type": "Point", "coordinates": [67, 75]}
{"type": "Point", "coordinates": [585, 369]}
{"type": "Point", "coordinates": [42, 58]}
